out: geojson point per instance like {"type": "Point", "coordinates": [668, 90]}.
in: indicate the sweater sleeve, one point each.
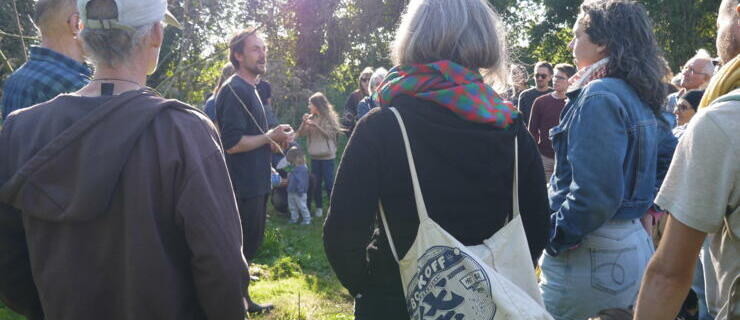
{"type": "Point", "coordinates": [232, 119]}
{"type": "Point", "coordinates": [354, 204]}
{"type": "Point", "coordinates": [17, 289]}
{"type": "Point", "coordinates": [534, 119]}
{"type": "Point", "coordinates": [208, 214]}
{"type": "Point", "coordinates": [535, 209]}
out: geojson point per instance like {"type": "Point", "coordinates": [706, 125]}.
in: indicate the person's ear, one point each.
{"type": "Point", "coordinates": [157, 35]}
{"type": "Point", "coordinates": [74, 24]}
{"type": "Point", "coordinates": [601, 49]}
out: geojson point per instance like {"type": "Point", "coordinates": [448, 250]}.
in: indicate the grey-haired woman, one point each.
{"type": "Point", "coordinates": [463, 148]}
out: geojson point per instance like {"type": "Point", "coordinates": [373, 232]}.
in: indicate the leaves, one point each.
{"type": "Point", "coordinates": [322, 45]}
{"type": "Point", "coordinates": [681, 26]}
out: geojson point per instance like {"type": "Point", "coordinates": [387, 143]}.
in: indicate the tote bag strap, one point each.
{"type": "Point", "coordinates": [388, 232]}
{"type": "Point", "coordinates": [421, 208]}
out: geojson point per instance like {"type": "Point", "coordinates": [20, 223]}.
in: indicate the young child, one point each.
{"type": "Point", "coordinates": [298, 186]}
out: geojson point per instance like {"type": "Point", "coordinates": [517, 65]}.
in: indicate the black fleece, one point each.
{"type": "Point", "coordinates": [465, 170]}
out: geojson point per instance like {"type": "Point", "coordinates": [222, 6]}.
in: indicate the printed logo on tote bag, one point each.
{"type": "Point", "coordinates": [450, 285]}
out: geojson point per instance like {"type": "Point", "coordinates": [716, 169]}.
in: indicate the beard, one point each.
{"type": "Point", "coordinates": [726, 46]}
{"type": "Point", "coordinates": [256, 69]}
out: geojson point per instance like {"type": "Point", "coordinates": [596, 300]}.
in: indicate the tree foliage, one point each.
{"type": "Point", "coordinates": [12, 54]}
{"type": "Point", "coordinates": [681, 26]}
{"type": "Point", "coordinates": [322, 45]}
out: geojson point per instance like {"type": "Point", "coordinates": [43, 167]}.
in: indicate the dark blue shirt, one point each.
{"type": "Point", "coordinates": [210, 108]}
{"type": "Point", "coordinates": [250, 171]}
{"type": "Point", "coordinates": [46, 75]}
{"type": "Point", "coordinates": [298, 180]}
{"type": "Point", "coordinates": [264, 90]}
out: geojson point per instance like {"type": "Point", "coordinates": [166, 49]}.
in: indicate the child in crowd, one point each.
{"type": "Point", "coordinates": [298, 186]}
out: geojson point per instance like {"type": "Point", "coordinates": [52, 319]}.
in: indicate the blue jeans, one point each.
{"type": "Point", "coordinates": [698, 286]}
{"type": "Point", "coordinates": [324, 172]}
{"type": "Point", "coordinates": [603, 272]}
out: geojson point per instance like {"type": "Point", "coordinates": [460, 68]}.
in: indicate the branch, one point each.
{"type": "Point", "coordinates": [12, 35]}
{"type": "Point", "coordinates": [20, 30]}
{"type": "Point", "coordinates": [180, 68]}
{"type": "Point", "coordinates": [2, 55]}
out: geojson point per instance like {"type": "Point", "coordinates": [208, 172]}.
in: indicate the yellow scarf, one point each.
{"type": "Point", "coordinates": [726, 80]}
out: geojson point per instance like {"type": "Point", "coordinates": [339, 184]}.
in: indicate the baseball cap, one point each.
{"type": "Point", "coordinates": [131, 14]}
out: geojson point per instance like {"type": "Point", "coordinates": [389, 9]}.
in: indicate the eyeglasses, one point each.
{"type": "Point", "coordinates": [541, 76]}
{"type": "Point", "coordinates": [692, 70]}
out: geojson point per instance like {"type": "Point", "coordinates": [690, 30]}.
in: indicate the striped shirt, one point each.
{"type": "Point", "coordinates": [46, 75]}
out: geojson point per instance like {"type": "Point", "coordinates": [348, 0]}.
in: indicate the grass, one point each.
{"type": "Point", "coordinates": [294, 275]}
{"type": "Point", "coordinates": [6, 314]}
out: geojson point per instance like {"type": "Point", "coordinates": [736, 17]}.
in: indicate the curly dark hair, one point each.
{"type": "Point", "coordinates": [624, 28]}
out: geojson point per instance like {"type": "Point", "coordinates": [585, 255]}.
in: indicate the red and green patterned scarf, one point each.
{"type": "Point", "coordinates": [455, 87]}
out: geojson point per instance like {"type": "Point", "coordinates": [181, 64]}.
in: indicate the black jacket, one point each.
{"type": "Point", "coordinates": [465, 170]}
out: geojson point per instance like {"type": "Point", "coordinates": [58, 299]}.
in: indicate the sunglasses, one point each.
{"type": "Point", "coordinates": [541, 76]}
{"type": "Point", "coordinates": [365, 79]}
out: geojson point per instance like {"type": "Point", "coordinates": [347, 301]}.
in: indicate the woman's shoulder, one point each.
{"type": "Point", "coordinates": [384, 115]}
{"type": "Point", "coordinates": [377, 117]}
{"type": "Point", "coordinates": [608, 86]}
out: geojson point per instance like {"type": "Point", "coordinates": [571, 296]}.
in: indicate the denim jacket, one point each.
{"type": "Point", "coordinates": [607, 148]}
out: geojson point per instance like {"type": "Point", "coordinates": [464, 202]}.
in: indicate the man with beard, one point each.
{"type": "Point", "coordinates": [542, 77]}
{"type": "Point", "coordinates": [247, 139]}
{"type": "Point", "coordinates": [54, 67]}
{"type": "Point", "coordinates": [702, 193]}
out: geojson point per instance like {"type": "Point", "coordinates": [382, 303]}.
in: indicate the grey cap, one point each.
{"type": "Point", "coordinates": [131, 14]}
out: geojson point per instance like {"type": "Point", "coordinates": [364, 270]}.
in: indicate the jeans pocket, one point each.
{"type": "Point", "coordinates": [614, 270]}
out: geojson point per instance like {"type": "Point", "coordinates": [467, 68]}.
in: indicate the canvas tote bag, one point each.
{"type": "Point", "coordinates": [443, 279]}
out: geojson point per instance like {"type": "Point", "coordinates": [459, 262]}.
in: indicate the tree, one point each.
{"type": "Point", "coordinates": [13, 52]}
{"type": "Point", "coordinates": [681, 27]}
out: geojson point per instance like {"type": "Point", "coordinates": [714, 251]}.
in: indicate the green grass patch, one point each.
{"type": "Point", "coordinates": [294, 275]}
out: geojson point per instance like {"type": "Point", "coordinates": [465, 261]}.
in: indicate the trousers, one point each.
{"type": "Point", "coordinates": [603, 272]}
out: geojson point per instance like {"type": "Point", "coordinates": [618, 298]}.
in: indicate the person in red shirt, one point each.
{"type": "Point", "coordinates": [546, 114]}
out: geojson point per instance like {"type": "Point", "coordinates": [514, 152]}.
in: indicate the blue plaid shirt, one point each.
{"type": "Point", "coordinates": [46, 75]}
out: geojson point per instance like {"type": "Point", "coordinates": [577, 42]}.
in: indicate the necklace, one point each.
{"type": "Point", "coordinates": [122, 80]}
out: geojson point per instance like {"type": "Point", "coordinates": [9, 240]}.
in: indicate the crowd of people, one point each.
{"type": "Point", "coordinates": [116, 203]}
